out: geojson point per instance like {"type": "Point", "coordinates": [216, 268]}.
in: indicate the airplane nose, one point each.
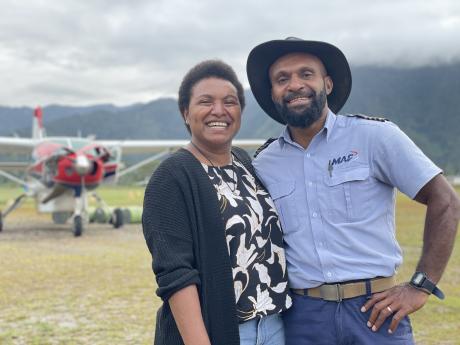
{"type": "Point", "coordinates": [82, 165]}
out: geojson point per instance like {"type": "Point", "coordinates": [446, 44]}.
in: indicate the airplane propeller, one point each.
{"type": "Point", "coordinates": [82, 164]}
{"type": "Point", "coordinates": [58, 190]}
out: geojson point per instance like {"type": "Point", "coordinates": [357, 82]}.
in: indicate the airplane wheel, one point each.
{"type": "Point", "coordinates": [60, 217]}
{"type": "Point", "coordinates": [77, 226]}
{"type": "Point", "coordinates": [117, 218]}
{"type": "Point", "coordinates": [101, 215]}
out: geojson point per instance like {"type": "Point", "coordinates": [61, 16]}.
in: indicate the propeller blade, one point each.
{"type": "Point", "coordinates": [57, 191]}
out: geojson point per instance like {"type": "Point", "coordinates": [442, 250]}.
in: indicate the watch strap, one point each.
{"type": "Point", "coordinates": [426, 285]}
{"type": "Point", "coordinates": [438, 293]}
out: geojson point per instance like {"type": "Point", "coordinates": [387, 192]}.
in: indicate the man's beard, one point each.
{"type": "Point", "coordinates": [306, 117]}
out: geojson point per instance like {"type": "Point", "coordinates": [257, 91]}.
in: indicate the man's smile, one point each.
{"type": "Point", "coordinates": [299, 100]}
{"type": "Point", "coordinates": [302, 98]}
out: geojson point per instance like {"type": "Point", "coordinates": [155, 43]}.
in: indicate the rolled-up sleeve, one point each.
{"type": "Point", "coordinates": [166, 227]}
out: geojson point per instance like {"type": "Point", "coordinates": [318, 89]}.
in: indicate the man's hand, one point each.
{"type": "Point", "coordinates": [399, 301]}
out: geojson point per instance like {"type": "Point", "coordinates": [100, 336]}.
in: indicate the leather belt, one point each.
{"type": "Point", "coordinates": [338, 292]}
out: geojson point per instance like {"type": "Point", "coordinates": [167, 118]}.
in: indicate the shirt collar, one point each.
{"type": "Point", "coordinates": [285, 136]}
{"type": "Point", "coordinates": [329, 124]}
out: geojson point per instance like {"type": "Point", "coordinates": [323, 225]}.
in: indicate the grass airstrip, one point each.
{"type": "Point", "coordinates": [99, 289]}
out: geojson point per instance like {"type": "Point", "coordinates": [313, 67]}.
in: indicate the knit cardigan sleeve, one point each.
{"type": "Point", "coordinates": [166, 227]}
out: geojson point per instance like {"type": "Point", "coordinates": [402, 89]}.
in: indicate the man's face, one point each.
{"type": "Point", "coordinates": [300, 86]}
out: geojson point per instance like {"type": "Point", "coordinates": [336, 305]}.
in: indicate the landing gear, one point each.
{"type": "Point", "coordinates": [14, 205]}
{"type": "Point", "coordinates": [100, 215]}
{"type": "Point", "coordinates": [117, 218]}
{"type": "Point", "coordinates": [77, 226]}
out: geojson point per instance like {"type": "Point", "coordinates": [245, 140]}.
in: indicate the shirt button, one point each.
{"type": "Point", "coordinates": [329, 274]}
{"type": "Point", "coordinates": [308, 155]}
{"type": "Point", "coordinates": [315, 214]}
{"type": "Point", "coordinates": [310, 183]}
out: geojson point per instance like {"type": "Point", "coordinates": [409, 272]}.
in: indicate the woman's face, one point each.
{"type": "Point", "coordinates": [214, 113]}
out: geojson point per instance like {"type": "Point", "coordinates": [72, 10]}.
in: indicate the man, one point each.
{"type": "Point", "coordinates": [333, 181]}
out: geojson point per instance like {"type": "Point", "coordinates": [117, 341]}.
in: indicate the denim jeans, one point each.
{"type": "Point", "coordinates": [312, 321]}
{"type": "Point", "coordinates": [262, 331]}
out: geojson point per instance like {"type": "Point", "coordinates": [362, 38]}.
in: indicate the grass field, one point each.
{"type": "Point", "coordinates": [99, 289]}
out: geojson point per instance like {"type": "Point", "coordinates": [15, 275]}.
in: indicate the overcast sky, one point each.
{"type": "Point", "coordinates": [80, 52]}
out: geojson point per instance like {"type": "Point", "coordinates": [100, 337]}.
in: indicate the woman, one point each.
{"type": "Point", "coordinates": [212, 229]}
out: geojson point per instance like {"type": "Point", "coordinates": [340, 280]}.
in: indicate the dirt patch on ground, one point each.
{"type": "Point", "coordinates": [57, 289]}
{"type": "Point", "coordinates": [39, 226]}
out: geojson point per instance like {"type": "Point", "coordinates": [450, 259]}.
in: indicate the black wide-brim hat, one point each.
{"type": "Point", "coordinates": [264, 55]}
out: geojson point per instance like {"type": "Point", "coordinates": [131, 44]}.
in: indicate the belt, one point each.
{"type": "Point", "coordinates": [338, 292]}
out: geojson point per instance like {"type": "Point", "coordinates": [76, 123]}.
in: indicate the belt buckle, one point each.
{"type": "Point", "coordinates": [336, 293]}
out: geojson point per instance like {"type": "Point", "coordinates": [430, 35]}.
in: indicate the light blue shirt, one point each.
{"type": "Point", "coordinates": [336, 199]}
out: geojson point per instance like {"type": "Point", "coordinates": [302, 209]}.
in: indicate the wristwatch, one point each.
{"type": "Point", "coordinates": [420, 281]}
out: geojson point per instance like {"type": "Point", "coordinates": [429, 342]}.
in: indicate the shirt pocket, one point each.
{"type": "Point", "coordinates": [347, 193]}
{"type": "Point", "coordinates": [283, 195]}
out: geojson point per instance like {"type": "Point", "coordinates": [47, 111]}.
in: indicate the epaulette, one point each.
{"type": "Point", "coordinates": [366, 117]}
{"type": "Point", "coordinates": [264, 146]}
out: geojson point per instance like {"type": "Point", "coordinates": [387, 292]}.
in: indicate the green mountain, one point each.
{"type": "Point", "coordinates": [422, 101]}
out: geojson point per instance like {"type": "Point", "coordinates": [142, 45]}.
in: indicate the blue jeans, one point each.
{"type": "Point", "coordinates": [262, 331]}
{"type": "Point", "coordinates": [313, 321]}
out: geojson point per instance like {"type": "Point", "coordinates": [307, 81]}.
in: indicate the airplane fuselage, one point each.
{"type": "Point", "coordinates": [72, 163]}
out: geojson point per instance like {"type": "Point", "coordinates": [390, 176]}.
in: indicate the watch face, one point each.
{"type": "Point", "coordinates": [418, 279]}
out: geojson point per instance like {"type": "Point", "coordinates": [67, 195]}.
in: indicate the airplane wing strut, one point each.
{"type": "Point", "coordinates": [13, 178]}
{"type": "Point", "coordinates": [142, 163]}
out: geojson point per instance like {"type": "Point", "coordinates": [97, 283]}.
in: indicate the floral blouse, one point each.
{"type": "Point", "coordinates": [254, 240]}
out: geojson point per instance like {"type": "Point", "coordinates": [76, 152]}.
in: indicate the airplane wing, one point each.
{"type": "Point", "coordinates": [17, 145]}
{"type": "Point", "coordinates": [26, 145]}
{"type": "Point", "coordinates": [14, 166]}
{"type": "Point", "coordinates": [153, 146]}
{"type": "Point", "coordinates": [248, 143]}
{"type": "Point", "coordinates": [143, 146]}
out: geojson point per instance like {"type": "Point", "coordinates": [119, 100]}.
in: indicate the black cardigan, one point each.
{"type": "Point", "coordinates": [185, 234]}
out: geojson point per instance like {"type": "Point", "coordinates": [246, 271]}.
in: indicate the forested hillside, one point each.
{"type": "Point", "coordinates": [423, 101]}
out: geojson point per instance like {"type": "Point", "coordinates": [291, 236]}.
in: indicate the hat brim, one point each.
{"type": "Point", "coordinates": [264, 55]}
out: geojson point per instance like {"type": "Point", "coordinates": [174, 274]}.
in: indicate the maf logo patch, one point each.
{"type": "Point", "coordinates": [349, 157]}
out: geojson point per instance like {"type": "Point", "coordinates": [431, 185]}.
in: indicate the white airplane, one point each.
{"type": "Point", "coordinates": [63, 169]}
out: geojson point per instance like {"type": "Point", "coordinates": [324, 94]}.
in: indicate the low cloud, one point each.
{"type": "Point", "coordinates": [121, 52]}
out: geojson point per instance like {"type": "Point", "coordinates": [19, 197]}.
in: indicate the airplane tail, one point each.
{"type": "Point", "coordinates": [38, 132]}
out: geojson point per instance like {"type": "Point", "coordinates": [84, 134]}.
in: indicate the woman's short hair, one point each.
{"type": "Point", "coordinates": [203, 70]}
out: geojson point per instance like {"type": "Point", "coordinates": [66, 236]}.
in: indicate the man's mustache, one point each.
{"type": "Point", "coordinates": [299, 94]}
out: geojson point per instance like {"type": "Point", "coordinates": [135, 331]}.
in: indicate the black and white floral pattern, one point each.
{"type": "Point", "coordinates": [255, 242]}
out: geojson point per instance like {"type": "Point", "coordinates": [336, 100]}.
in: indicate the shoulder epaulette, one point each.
{"type": "Point", "coordinates": [264, 146]}
{"type": "Point", "coordinates": [366, 117]}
